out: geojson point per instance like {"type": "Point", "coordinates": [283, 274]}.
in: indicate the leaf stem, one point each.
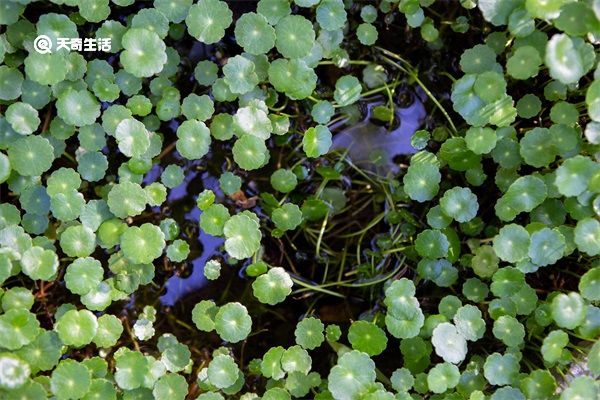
{"type": "Point", "coordinates": [316, 288]}
{"type": "Point", "coordinates": [351, 62]}
{"type": "Point", "coordinates": [410, 70]}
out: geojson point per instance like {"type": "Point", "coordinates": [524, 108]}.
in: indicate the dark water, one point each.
{"type": "Point", "coordinates": [363, 140]}
{"type": "Point", "coordinates": [178, 287]}
{"type": "Point", "coordinates": [374, 146]}
{"type": "Point", "coordinates": [181, 201]}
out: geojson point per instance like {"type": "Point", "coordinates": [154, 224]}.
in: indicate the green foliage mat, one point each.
{"type": "Point", "coordinates": [473, 273]}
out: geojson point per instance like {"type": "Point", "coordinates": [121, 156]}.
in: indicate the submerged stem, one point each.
{"type": "Point", "coordinates": [411, 71]}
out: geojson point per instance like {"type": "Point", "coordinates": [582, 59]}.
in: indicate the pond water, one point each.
{"type": "Point", "coordinates": [370, 145]}
{"type": "Point", "coordinates": [177, 287]}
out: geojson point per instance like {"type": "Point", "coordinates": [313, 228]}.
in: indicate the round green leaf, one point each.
{"type": "Point", "coordinates": [143, 244]}
{"type": "Point", "coordinates": [193, 139]}
{"type": "Point", "coordinates": [574, 174]}
{"type": "Point", "coordinates": [203, 315]}
{"type": "Point", "coordinates": [127, 199]}
{"type": "Point", "coordinates": [347, 90]}
{"type": "Point", "coordinates": [367, 337]}
{"type": "Point", "coordinates": [546, 247]}
{"type": "Point", "coordinates": [250, 152]}
{"type": "Point", "coordinates": [431, 243]}
{"type": "Point", "coordinates": [367, 34]}
{"type": "Point", "coordinates": [70, 380]}
{"type": "Point", "coordinates": [242, 236]}
{"type": "Point", "coordinates": [460, 204]}
{"type": "Point", "coordinates": [207, 20]}
{"type": "Point", "coordinates": [568, 310]}
{"type": "Point", "coordinates": [351, 376]}
{"type": "Point", "coordinates": [563, 60]}
{"type": "Point", "coordinates": [78, 108]}
{"type": "Point", "coordinates": [509, 330]}
{"type": "Point", "coordinates": [222, 371]}
{"type": "Point", "coordinates": [284, 180]}
{"type": "Point", "coordinates": [133, 137]}
{"type": "Point", "coordinates": [309, 333]}
{"type": "Point", "coordinates": [78, 241]}
{"type": "Point", "coordinates": [287, 217]}
{"type": "Point", "coordinates": [524, 63]}
{"type": "Point", "coordinates": [480, 140]}
{"type": "Point", "coordinates": [144, 53]}
{"type": "Point", "coordinates": [512, 243]}
{"type": "Point", "coordinates": [316, 141]}
{"type": "Point", "coordinates": [18, 327]}
{"type": "Point", "coordinates": [170, 387]}
{"type": "Point", "coordinates": [294, 36]}
{"type": "Point", "coordinates": [23, 118]}
{"type": "Point", "coordinates": [15, 373]}
{"type": "Point", "coordinates": [239, 74]}
{"type": "Point", "coordinates": [443, 377]}
{"type": "Point", "coordinates": [421, 181]}
{"type": "Point", "coordinates": [213, 219]}
{"type": "Point", "coordinates": [469, 323]}
{"type": "Point", "coordinates": [449, 343]}
{"type": "Point", "coordinates": [77, 328]}
{"type": "Point", "coordinates": [31, 155]}
{"type": "Point", "coordinates": [254, 34]}
{"type": "Point", "coordinates": [589, 284]}
{"type": "Point", "coordinates": [232, 322]}
{"type": "Point", "coordinates": [501, 369]}
{"type": "Point", "coordinates": [272, 287]}
{"type": "Point", "coordinates": [39, 263]}
{"type": "Point", "coordinates": [109, 331]}
{"type": "Point", "coordinates": [83, 275]}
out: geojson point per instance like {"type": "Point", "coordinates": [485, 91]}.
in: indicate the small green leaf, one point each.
{"type": "Point", "coordinates": [568, 310]}
{"type": "Point", "coordinates": [203, 315]}
{"type": "Point", "coordinates": [449, 343]}
{"type": "Point", "coordinates": [212, 270]}
{"type": "Point", "coordinates": [469, 323]}
{"type": "Point", "coordinates": [563, 60]}
{"type": "Point", "coordinates": [287, 217]}
{"type": "Point", "coordinates": [254, 34]}
{"type": "Point", "coordinates": [309, 333]}
{"type": "Point", "coordinates": [242, 235]}
{"type": "Point", "coordinates": [294, 36]}
{"type": "Point", "coordinates": [443, 377]}
{"type": "Point", "coordinates": [77, 328]}
{"type": "Point", "coordinates": [222, 371]}
{"type": "Point", "coordinates": [431, 243]}
{"type": "Point", "coordinates": [143, 244]}
{"type": "Point", "coordinates": [213, 219]}
{"type": "Point", "coordinates": [421, 181]}
{"type": "Point", "coordinates": [144, 53]}
{"type": "Point", "coordinates": [207, 20]}
{"type": "Point", "coordinates": [509, 330]}
{"type": "Point", "coordinates": [316, 141]}
{"type": "Point", "coordinates": [367, 337]}
{"type": "Point", "coordinates": [501, 369]}
{"type": "Point", "coordinates": [352, 375]}
{"type": "Point", "coordinates": [347, 90]}
{"type": "Point", "coordinates": [72, 375]}
{"type": "Point", "coordinates": [273, 287]}
{"type": "Point", "coordinates": [460, 204]}
{"type": "Point", "coordinates": [232, 322]}
{"type": "Point", "coordinates": [547, 246]}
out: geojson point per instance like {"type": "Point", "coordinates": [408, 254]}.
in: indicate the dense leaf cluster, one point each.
{"type": "Point", "coordinates": [509, 197]}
